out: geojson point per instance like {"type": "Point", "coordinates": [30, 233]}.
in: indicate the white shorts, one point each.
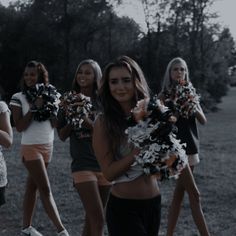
{"type": "Point", "coordinates": [193, 159]}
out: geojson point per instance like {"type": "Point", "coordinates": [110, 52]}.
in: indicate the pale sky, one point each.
{"type": "Point", "coordinates": [226, 10]}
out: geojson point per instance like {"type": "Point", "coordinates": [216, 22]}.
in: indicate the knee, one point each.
{"type": "Point", "coordinates": [195, 196]}
{"type": "Point", "coordinates": [45, 191]}
{"type": "Point", "coordinates": [31, 187]}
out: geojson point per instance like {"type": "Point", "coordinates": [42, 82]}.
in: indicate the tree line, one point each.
{"type": "Point", "coordinates": [61, 33]}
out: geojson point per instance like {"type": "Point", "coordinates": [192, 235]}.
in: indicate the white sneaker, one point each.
{"type": "Point", "coordinates": [63, 233]}
{"type": "Point", "coordinates": [30, 231]}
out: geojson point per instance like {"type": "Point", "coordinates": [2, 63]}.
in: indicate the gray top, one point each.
{"type": "Point", "coordinates": [81, 150]}
{"type": "Point", "coordinates": [134, 171]}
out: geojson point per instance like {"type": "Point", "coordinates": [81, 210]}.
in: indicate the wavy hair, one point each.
{"type": "Point", "coordinates": [114, 118]}
{"type": "Point", "coordinates": [42, 73]}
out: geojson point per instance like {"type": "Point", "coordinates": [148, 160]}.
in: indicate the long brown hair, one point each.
{"type": "Point", "coordinates": [114, 118]}
{"type": "Point", "coordinates": [42, 73]}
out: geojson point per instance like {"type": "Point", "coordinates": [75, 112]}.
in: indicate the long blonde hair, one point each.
{"type": "Point", "coordinates": [167, 81]}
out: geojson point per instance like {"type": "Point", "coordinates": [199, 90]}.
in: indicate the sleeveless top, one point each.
{"type": "Point", "coordinates": [135, 170]}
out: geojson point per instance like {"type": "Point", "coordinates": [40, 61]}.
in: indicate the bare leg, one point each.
{"type": "Point", "coordinates": [29, 202]}
{"type": "Point", "coordinates": [175, 207]}
{"type": "Point", "coordinates": [93, 205]}
{"type": "Point", "coordinates": [195, 203]}
{"type": "Point", "coordinates": [187, 183]}
{"type": "Point", "coordinates": [38, 173]}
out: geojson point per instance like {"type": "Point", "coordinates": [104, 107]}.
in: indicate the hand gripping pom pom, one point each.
{"type": "Point", "coordinates": [160, 151]}
{"type": "Point", "coordinates": [182, 98]}
{"type": "Point", "coordinates": [76, 106]}
{"type": "Point", "coordinates": [50, 101]}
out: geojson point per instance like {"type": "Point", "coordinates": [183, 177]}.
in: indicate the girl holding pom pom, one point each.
{"type": "Point", "coordinates": [34, 111]}
{"type": "Point", "coordinates": [179, 94]}
{"type": "Point", "coordinates": [76, 121]}
{"type": "Point", "coordinates": [134, 205]}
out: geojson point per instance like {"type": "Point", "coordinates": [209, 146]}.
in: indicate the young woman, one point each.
{"type": "Point", "coordinates": [6, 138]}
{"type": "Point", "coordinates": [36, 147]}
{"type": "Point", "coordinates": [88, 180]}
{"type": "Point", "coordinates": [134, 205]}
{"type": "Point", "coordinates": [177, 73]}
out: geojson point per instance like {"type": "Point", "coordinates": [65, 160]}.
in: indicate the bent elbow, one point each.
{"type": "Point", "coordinates": [8, 143]}
{"type": "Point", "coordinates": [109, 176]}
{"type": "Point", "coordinates": [18, 129]}
{"type": "Point", "coordinates": [62, 137]}
{"type": "Point", "coordinates": [203, 121]}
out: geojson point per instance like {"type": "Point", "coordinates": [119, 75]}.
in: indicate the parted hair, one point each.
{"type": "Point", "coordinates": [42, 73]}
{"type": "Point", "coordinates": [167, 81]}
{"type": "Point", "coordinates": [113, 117]}
{"type": "Point", "coordinates": [97, 75]}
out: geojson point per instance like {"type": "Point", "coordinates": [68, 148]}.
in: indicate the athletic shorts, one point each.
{"type": "Point", "coordinates": [87, 176]}
{"type": "Point", "coordinates": [37, 151]}
{"type": "Point", "coordinates": [193, 159]}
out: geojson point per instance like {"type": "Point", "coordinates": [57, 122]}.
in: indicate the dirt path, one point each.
{"type": "Point", "coordinates": [214, 176]}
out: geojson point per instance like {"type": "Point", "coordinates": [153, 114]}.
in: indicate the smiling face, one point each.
{"type": "Point", "coordinates": [30, 76]}
{"type": "Point", "coordinates": [178, 72]}
{"type": "Point", "coordinates": [85, 76]}
{"type": "Point", "coordinates": [121, 86]}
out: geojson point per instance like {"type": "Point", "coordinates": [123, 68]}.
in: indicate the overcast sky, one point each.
{"type": "Point", "coordinates": [225, 8]}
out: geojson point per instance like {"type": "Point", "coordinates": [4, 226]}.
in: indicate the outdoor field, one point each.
{"type": "Point", "coordinates": [214, 176]}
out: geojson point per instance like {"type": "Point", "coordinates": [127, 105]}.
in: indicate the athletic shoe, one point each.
{"type": "Point", "coordinates": [30, 231]}
{"type": "Point", "coordinates": [63, 233]}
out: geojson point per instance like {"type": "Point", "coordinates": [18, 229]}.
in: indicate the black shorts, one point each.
{"type": "Point", "coordinates": [2, 195]}
{"type": "Point", "coordinates": [126, 217]}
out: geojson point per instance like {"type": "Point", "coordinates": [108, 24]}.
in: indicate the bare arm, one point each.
{"type": "Point", "coordinates": [21, 122]}
{"type": "Point", "coordinates": [64, 132]}
{"type": "Point", "coordinates": [87, 123]}
{"type": "Point", "coordinates": [110, 167]}
{"type": "Point", "coordinates": [6, 135]}
{"type": "Point", "coordinates": [200, 115]}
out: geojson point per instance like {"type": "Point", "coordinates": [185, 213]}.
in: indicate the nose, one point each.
{"type": "Point", "coordinates": [120, 85]}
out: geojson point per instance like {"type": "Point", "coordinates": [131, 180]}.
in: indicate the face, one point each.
{"type": "Point", "coordinates": [30, 76]}
{"type": "Point", "coordinates": [178, 72]}
{"type": "Point", "coordinates": [121, 85]}
{"type": "Point", "coordinates": [85, 76]}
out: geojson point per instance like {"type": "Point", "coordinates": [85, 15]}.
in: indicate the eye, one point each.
{"type": "Point", "coordinates": [127, 79]}
{"type": "Point", "coordinates": [87, 73]}
{"type": "Point", "coordinates": [113, 81]}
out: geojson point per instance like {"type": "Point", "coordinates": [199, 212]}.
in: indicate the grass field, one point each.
{"type": "Point", "coordinates": [214, 176]}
